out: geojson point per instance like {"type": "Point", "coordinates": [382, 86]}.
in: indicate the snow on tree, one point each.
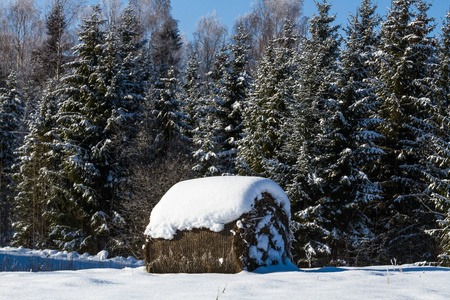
{"type": "Point", "coordinates": [100, 97]}
{"type": "Point", "coordinates": [11, 111]}
{"type": "Point", "coordinates": [267, 112]}
{"type": "Point", "coordinates": [205, 136]}
{"type": "Point", "coordinates": [128, 87]}
{"type": "Point", "coordinates": [440, 186]}
{"type": "Point", "coordinates": [352, 189]}
{"type": "Point", "coordinates": [406, 62]}
{"type": "Point", "coordinates": [168, 121]}
{"type": "Point", "coordinates": [217, 143]}
{"type": "Point", "coordinates": [209, 36]}
{"type": "Point", "coordinates": [35, 173]}
{"type": "Point", "coordinates": [193, 92]}
{"type": "Point", "coordinates": [312, 137]}
{"type": "Point", "coordinates": [266, 21]}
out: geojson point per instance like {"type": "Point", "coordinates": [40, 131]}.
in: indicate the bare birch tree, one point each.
{"type": "Point", "coordinates": [266, 22]}
{"type": "Point", "coordinates": [210, 35]}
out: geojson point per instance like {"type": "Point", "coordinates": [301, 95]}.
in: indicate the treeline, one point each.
{"type": "Point", "coordinates": [355, 128]}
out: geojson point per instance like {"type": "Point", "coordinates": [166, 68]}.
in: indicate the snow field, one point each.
{"type": "Point", "coordinates": [381, 282]}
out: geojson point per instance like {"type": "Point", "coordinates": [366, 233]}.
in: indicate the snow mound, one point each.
{"type": "Point", "coordinates": [210, 203]}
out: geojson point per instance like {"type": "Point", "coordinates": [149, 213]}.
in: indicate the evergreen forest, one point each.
{"type": "Point", "coordinates": [103, 108]}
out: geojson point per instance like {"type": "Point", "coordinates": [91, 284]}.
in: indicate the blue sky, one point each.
{"type": "Point", "coordinates": [188, 12]}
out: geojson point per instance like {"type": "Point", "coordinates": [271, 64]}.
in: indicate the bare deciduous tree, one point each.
{"type": "Point", "coordinates": [266, 22]}
{"type": "Point", "coordinates": [111, 9]}
{"type": "Point", "coordinates": [24, 29]}
{"type": "Point", "coordinates": [152, 14]}
{"type": "Point", "coordinates": [209, 36]}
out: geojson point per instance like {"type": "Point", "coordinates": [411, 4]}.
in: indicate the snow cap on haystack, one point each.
{"type": "Point", "coordinates": [210, 203]}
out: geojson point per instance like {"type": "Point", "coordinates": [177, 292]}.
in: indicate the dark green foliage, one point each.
{"type": "Point", "coordinates": [165, 46]}
{"type": "Point", "coordinates": [167, 119]}
{"type": "Point", "coordinates": [267, 112]}
{"type": "Point", "coordinates": [315, 111]}
{"type": "Point", "coordinates": [441, 154]}
{"type": "Point", "coordinates": [351, 189]}
{"type": "Point", "coordinates": [407, 109]}
{"type": "Point", "coordinates": [11, 111]}
{"type": "Point", "coordinates": [223, 111]}
{"type": "Point", "coordinates": [96, 123]}
{"type": "Point", "coordinates": [357, 134]}
{"type": "Point", "coordinates": [35, 173]}
{"type": "Point", "coordinates": [53, 53]}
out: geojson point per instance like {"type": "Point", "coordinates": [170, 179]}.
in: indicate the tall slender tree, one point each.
{"type": "Point", "coordinates": [231, 91]}
{"type": "Point", "coordinates": [52, 54]}
{"type": "Point", "coordinates": [351, 191]}
{"type": "Point", "coordinates": [314, 135]}
{"type": "Point", "coordinates": [405, 63]}
{"type": "Point", "coordinates": [267, 113]}
{"type": "Point", "coordinates": [11, 110]}
{"type": "Point", "coordinates": [35, 176]}
{"type": "Point", "coordinates": [440, 188]}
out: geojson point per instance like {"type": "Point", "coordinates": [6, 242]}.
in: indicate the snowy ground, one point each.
{"type": "Point", "coordinates": [380, 282]}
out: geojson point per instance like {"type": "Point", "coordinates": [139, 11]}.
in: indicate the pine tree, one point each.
{"type": "Point", "coordinates": [193, 94]}
{"type": "Point", "coordinates": [11, 111]}
{"type": "Point", "coordinates": [207, 141]}
{"type": "Point", "coordinates": [165, 48]}
{"type": "Point", "coordinates": [405, 65]}
{"type": "Point", "coordinates": [128, 64]}
{"type": "Point", "coordinates": [52, 54]}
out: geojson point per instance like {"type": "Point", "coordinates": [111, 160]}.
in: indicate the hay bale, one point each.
{"type": "Point", "coordinates": [259, 236]}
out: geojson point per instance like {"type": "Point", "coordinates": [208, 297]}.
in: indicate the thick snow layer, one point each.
{"type": "Point", "coordinates": [209, 203]}
{"type": "Point", "coordinates": [276, 282]}
{"type": "Point", "coordinates": [22, 259]}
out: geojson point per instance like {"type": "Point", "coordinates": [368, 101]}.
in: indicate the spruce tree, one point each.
{"type": "Point", "coordinates": [207, 136]}
{"type": "Point", "coordinates": [11, 111]}
{"type": "Point", "coordinates": [405, 65]}
{"type": "Point", "coordinates": [168, 121]}
{"type": "Point", "coordinates": [441, 157]}
{"type": "Point", "coordinates": [128, 64]}
{"type": "Point", "coordinates": [267, 113]}
{"type": "Point", "coordinates": [312, 137]}
{"type": "Point", "coordinates": [35, 176]}
{"type": "Point", "coordinates": [165, 47]}
{"type": "Point", "coordinates": [351, 190]}
{"type": "Point", "coordinates": [52, 54]}
{"type": "Point", "coordinates": [231, 82]}
{"type": "Point", "coordinates": [193, 94]}
{"type": "Point", "coordinates": [99, 109]}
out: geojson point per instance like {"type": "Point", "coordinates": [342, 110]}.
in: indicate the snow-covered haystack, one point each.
{"type": "Point", "coordinates": [219, 225]}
